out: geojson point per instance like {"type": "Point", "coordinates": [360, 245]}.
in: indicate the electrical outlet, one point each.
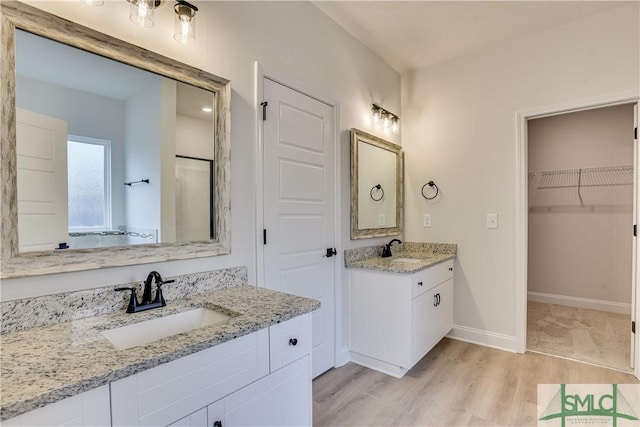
{"type": "Point", "coordinates": [492, 220]}
{"type": "Point", "coordinates": [381, 219]}
{"type": "Point", "coordinates": [426, 220]}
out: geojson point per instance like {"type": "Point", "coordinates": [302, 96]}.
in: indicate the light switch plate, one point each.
{"type": "Point", "coordinates": [426, 220]}
{"type": "Point", "coordinates": [381, 219]}
{"type": "Point", "coordinates": [492, 220]}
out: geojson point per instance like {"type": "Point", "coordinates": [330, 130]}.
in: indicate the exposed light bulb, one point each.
{"type": "Point", "coordinates": [395, 125]}
{"type": "Point", "coordinates": [385, 120]}
{"type": "Point", "coordinates": [141, 12]}
{"type": "Point", "coordinates": [184, 30]}
{"type": "Point", "coordinates": [375, 112]}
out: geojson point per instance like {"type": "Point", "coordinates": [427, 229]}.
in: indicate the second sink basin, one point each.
{"type": "Point", "coordinates": [155, 329]}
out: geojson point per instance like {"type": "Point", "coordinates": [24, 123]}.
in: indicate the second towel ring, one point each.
{"type": "Point", "coordinates": [381, 191]}
{"type": "Point", "coordinates": [433, 185]}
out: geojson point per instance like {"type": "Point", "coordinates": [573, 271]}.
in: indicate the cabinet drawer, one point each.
{"type": "Point", "coordinates": [427, 279]}
{"type": "Point", "coordinates": [289, 341]}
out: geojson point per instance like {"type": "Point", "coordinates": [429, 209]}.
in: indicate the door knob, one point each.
{"type": "Point", "coordinates": [331, 252]}
{"type": "Point", "coordinates": [293, 341]}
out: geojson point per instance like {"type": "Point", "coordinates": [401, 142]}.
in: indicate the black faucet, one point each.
{"type": "Point", "coordinates": [147, 303]}
{"type": "Point", "coordinates": [386, 249]}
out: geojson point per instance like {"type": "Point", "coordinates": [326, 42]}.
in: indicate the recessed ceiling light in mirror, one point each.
{"type": "Point", "coordinates": [207, 109]}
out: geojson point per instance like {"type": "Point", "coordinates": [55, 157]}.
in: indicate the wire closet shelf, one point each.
{"type": "Point", "coordinates": [592, 188]}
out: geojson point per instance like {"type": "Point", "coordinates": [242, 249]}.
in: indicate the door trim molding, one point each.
{"type": "Point", "coordinates": [260, 73]}
{"type": "Point", "coordinates": [522, 116]}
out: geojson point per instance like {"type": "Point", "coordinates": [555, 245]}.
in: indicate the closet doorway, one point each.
{"type": "Point", "coordinates": [580, 235]}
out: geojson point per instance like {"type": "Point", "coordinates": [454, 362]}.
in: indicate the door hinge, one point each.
{"type": "Point", "coordinates": [264, 236]}
{"type": "Point", "coordinates": [633, 327]}
{"type": "Point", "coordinates": [635, 133]}
{"type": "Point", "coordinates": [635, 230]}
{"type": "Point", "coordinates": [264, 110]}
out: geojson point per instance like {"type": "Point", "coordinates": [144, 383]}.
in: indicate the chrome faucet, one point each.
{"type": "Point", "coordinates": [386, 249]}
{"type": "Point", "coordinates": [147, 303]}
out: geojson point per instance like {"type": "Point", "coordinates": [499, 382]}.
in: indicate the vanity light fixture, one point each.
{"type": "Point", "coordinates": [141, 12]}
{"type": "Point", "coordinates": [388, 119]}
{"type": "Point", "coordinates": [184, 30]}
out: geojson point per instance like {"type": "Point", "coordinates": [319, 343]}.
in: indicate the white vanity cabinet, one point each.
{"type": "Point", "coordinates": [231, 383]}
{"type": "Point", "coordinates": [395, 319]}
{"type": "Point", "coordinates": [90, 408]}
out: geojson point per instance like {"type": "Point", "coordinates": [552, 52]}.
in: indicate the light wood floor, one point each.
{"type": "Point", "coordinates": [456, 384]}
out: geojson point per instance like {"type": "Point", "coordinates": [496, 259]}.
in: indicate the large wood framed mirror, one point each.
{"type": "Point", "coordinates": [376, 186]}
{"type": "Point", "coordinates": [105, 151]}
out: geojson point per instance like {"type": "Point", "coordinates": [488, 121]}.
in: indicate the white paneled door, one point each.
{"type": "Point", "coordinates": [299, 206]}
{"type": "Point", "coordinates": [41, 148]}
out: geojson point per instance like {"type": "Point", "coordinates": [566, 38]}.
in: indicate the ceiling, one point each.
{"type": "Point", "coordinates": [410, 35]}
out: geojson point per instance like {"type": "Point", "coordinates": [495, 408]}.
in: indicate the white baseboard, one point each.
{"type": "Point", "coordinates": [342, 358]}
{"type": "Point", "coordinates": [592, 304]}
{"type": "Point", "coordinates": [485, 338]}
{"type": "Point", "coordinates": [378, 365]}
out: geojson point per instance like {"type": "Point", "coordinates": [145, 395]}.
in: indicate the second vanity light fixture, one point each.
{"type": "Point", "coordinates": [141, 12]}
{"type": "Point", "coordinates": [387, 118]}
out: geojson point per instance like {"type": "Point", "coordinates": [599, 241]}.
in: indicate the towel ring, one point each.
{"type": "Point", "coordinates": [433, 185]}
{"type": "Point", "coordinates": [380, 190]}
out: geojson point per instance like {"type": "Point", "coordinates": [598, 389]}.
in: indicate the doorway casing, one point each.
{"type": "Point", "coordinates": [522, 221]}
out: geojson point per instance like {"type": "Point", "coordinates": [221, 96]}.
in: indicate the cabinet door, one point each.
{"type": "Point", "coordinates": [432, 314]}
{"type": "Point", "coordinates": [425, 324]}
{"type": "Point", "coordinates": [444, 309]}
{"type": "Point", "coordinates": [280, 399]}
{"type": "Point", "coordinates": [197, 419]}
{"type": "Point", "coordinates": [90, 408]}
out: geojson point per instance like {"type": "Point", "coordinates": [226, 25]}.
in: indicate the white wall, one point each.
{"type": "Point", "coordinates": [194, 137]}
{"type": "Point", "coordinates": [79, 109]}
{"type": "Point", "coordinates": [143, 129]}
{"type": "Point", "coordinates": [459, 129]}
{"type": "Point", "coordinates": [292, 38]}
{"type": "Point", "coordinates": [582, 252]}
{"type": "Point", "coordinates": [168, 161]}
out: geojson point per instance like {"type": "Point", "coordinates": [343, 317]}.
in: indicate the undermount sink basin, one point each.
{"type": "Point", "coordinates": [155, 329]}
{"type": "Point", "coordinates": [410, 260]}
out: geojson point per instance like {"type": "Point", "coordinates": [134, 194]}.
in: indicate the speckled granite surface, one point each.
{"type": "Point", "coordinates": [43, 365]}
{"type": "Point", "coordinates": [428, 254]}
{"type": "Point", "coordinates": [51, 309]}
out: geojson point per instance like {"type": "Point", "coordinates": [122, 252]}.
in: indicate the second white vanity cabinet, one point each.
{"type": "Point", "coordinates": [395, 318]}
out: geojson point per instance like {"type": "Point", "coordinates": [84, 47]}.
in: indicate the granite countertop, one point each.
{"type": "Point", "coordinates": [393, 264]}
{"type": "Point", "coordinates": [43, 365]}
